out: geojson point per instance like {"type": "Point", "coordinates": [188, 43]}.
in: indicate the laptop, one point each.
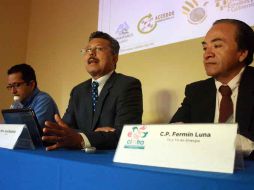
{"type": "Point", "coordinates": [28, 117]}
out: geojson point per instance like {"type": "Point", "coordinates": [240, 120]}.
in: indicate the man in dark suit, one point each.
{"type": "Point", "coordinates": [99, 107]}
{"type": "Point", "coordinates": [228, 50]}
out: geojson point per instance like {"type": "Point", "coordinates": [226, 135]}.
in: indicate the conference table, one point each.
{"type": "Point", "coordinates": [73, 169]}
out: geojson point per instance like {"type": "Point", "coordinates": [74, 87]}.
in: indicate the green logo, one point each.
{"type": "Point", "coordinates": [136, 137]}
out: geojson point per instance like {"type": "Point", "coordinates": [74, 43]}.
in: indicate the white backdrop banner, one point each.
{"type": "Point", "coordinates": [143, 24]}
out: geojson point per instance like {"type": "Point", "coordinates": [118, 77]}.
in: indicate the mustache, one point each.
{"type": "Point", "coordinates": [93, 59]}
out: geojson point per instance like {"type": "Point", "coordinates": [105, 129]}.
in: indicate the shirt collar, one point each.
{"type": "Point", "coordinates": [102, 80]}
{"type": "Point", "coordinates": [234, 83]}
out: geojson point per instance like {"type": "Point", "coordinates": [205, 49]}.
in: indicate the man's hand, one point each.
{"type": "Point", "coordinates": [60, 135]}
{"type": "Point", "coordinates": [105, 129]}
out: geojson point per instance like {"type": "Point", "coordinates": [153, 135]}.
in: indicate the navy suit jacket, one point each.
{"type": "Point", "coordinates": [198, 105]}
{"type": "Point", "coordinates": [120, 102]}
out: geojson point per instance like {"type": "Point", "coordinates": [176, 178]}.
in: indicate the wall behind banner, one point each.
{"type": "Point", "coordinates": [49, 34]}
{"type": "Point", "coordinates": [14, 20]}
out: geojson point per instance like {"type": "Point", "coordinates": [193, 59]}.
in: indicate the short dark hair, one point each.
{"type": "Point", "coordinates": [114, 43]}
{"type": "Point", "coordinates": [28, 73]}
{"type": "Point", "coordinates": [244, 37]}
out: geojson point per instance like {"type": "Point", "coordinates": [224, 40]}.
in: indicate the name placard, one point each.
{"type": "Point", "coordinates": [203, 147]}
{"type": "Point", "coordinates": [15, 136]}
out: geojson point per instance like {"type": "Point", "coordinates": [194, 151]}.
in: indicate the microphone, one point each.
{"type": "Point", "coordinates": [16, 103]}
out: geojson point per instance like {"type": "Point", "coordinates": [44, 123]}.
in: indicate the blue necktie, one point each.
{"type": "Point", "coordinates": [94, 94]}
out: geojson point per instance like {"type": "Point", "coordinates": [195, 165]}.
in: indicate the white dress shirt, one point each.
{"type": "Point", "coordinates": [246, 144]}
{"type": "Point", "coordinates": [234, 86]}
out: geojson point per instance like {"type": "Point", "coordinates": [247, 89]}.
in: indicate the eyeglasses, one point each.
{"type": "Point", "coordinates": [15, 85]}
{"type": "Point", "coordinates": [97, 49]}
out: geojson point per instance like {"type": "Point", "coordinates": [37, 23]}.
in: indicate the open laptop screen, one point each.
{"type": "Point", "coordinates": [25, 116]}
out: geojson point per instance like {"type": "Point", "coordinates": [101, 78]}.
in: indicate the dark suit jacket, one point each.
{"type": "Point", "coordinates": [119, 103]}
{"type": "Point", "coordinates": [200, 98]}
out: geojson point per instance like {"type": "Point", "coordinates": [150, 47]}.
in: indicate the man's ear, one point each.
{"type": "Point", "coordinates": [32, 84]}
{"type": "Point", "coordinates": [115, 59]}
{"type": "Point", "coordinates": [243, 55]}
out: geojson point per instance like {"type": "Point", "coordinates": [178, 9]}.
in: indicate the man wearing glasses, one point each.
{"type": "Point", "coordinates": [99, 107]}
{"type": "Point", "coordinates": [22, 83]}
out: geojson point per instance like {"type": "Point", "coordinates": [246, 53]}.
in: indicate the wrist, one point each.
{"type": "Point", "coordinates": [81, 143]}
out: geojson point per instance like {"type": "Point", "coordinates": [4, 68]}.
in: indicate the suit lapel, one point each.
{"type": "Point", "coordinates": [209, 101]}
{"type": "Point", "coordinates": [245, 100]}
{"type": "Point", "coordinates": [105, 90]}
{"type": "Point", "coordinates": [88, 104]}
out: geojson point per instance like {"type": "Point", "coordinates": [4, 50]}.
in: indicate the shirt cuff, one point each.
{"type": "Point", "coordinates": [86, 141]}
{"type": "Point", "coordinates": [247, 145]}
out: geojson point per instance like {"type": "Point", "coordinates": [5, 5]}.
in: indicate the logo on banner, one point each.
{"type": "Point", "coordinates": [122, 33]}
{"type": "Point", "coordinates": [148, 23]}
{"type": "Point", "coordinates": [221, 4]}
{"type": "Point", "coordinates": [136, 137]}
{"type": "Point", "coordinates": [234, 5]}
{"type": "Point", "coordinates": [196, 13]}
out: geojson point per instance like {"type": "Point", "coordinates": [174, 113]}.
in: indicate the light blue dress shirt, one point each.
{"type": "Point", "coordinates": [43, 105]}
